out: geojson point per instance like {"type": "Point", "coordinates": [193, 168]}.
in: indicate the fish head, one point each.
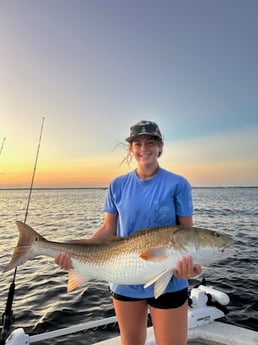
{"type": "Point", "coordinates": [198, 237]}
{"type": "Point", "coordinates": [206, 246]}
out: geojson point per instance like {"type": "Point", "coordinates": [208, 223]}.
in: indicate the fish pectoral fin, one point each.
{"type": "Point", "coordinates": [155, 253]}
{"type": "Point", "coordinates": [160, 282]}
{"type": "Point", "coordinates": [75, 280]}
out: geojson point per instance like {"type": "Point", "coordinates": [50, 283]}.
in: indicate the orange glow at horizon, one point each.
{"type": "Point", "coordinates": [223, 173]}
{"type": "Point", "coordinates": [88, 173]}
{"type": "Point", "coordinates": [99, 173]}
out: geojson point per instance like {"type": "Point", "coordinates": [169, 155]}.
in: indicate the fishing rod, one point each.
{"type": "Point", "coordinates": [2, 146]}
{"type": "Point", "coordinates": [8, 317]}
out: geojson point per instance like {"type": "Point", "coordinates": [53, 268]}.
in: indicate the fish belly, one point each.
{"type": "Point", "coordinates": [125, 269]}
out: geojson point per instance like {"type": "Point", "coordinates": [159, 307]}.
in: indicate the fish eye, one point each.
{"type": "Point", "coordinates": [216, 234]}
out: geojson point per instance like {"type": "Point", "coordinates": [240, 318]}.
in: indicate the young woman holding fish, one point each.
{"type": "Point", "coordinates": [148, 197]}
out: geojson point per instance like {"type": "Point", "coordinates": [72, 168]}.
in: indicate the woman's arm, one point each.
{"type": "Point", "coordinates": [187, 221]}
{"type": "Point", "coordinates": [108, 228]}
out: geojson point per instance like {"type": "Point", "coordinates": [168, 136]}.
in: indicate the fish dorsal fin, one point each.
{"type": "Point", "coordinates": [112, 238]}
{"type": "Point", "coordinates": [99, 241]}
{"type": "Point", "coordinates": [75, 280]}
{"type": "Point", "coordinates": [160, 282]}
{"type": "Point", "coordinates": [158, 253]}
{"type": "Point", "coordinates": [80, 241]}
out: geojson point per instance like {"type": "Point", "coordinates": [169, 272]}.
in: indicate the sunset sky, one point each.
{"type": "Point", "coordinates": [92, 68]}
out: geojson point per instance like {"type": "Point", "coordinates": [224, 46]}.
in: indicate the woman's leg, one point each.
{"type": "Point", "coordinates": [170, 325]}
{"type": "Point", "coordinates": [132, 321]}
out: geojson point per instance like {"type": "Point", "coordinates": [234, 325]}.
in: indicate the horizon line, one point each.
{"type": "Point", "coordinates": [106, 187]}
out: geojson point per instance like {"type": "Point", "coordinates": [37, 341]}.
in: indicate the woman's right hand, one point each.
{"type": "Point", "coordinates": [64, 261]}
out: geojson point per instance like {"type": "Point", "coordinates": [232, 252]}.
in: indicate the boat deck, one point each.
{"type": "Point", "coordinates": [215, 333]}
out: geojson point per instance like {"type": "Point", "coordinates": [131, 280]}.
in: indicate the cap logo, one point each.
{"type": "Point", "coordinates": [144, 127]}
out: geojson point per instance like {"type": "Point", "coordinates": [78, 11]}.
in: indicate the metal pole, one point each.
{"type": "Point", "coordinates": [7, 317]}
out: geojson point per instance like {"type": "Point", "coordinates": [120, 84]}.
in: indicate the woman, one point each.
{"type": "Point", "coordinates": [148, 197]}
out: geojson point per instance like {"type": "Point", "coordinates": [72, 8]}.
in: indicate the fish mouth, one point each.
{"type": "Point", "coordinates": [222, 248]}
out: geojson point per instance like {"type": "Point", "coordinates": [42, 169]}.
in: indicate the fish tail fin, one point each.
{"type": "Point", "coordinates": [24, 249]}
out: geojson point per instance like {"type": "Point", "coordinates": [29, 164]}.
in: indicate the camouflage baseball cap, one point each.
{"type": "Point", "coordinates": [144, 127]}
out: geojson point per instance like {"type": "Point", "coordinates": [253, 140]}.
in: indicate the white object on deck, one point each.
{"type": "Point", "coordinates": [18, 337]}
{"type": "Point", "coordinates": [216, 295]}
{"type": "Point", "coordinates": [201, 314]}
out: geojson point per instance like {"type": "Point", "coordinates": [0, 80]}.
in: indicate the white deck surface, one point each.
{"type": "Point", "coordinates": [213, 333]}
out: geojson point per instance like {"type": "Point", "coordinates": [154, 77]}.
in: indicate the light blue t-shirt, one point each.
{"type": "Point", "coordinates": [146, 204]}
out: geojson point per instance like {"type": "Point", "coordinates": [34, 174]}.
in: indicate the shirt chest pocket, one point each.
{"type": "Point", "coordinates": [164, 212]}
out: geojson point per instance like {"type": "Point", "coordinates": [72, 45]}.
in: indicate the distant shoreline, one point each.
{"type": "Point", "coordinates": [104, 188]}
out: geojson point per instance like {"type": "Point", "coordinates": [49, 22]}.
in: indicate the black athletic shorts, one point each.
{"type": "Point", "coordinates": [166, 301]}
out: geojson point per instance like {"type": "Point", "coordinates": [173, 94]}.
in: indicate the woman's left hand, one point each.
{"type": "Point", "coordinates": [185, 268]}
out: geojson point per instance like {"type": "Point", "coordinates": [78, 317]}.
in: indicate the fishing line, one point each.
{"type": "Point", "coordinates": [7, 317]}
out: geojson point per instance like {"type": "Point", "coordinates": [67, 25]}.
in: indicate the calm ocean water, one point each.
{"type": "Point", "coordinates": [41, 302]}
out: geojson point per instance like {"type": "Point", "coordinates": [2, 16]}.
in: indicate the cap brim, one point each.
{"type": "Point", "coordinates": [131, 138]}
